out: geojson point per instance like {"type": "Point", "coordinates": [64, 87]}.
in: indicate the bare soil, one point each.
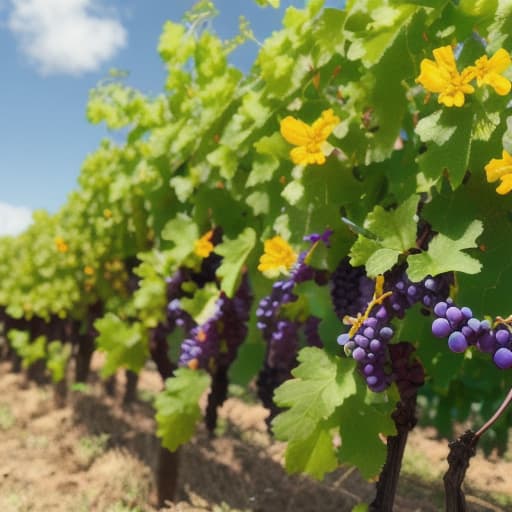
{"type": "Point", "coordinates": [94, 456]}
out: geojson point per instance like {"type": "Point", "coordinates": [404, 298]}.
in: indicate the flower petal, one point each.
{"type": "Point", "coordinates": [506, 185]}
{"type": "Point", "coordinates": [500, 84]}
{"type": "Point", "coordinates": [432, 77]}
{"type": "Point", "coordinates": [299, 155]}
{"type": "Point", "coordinates": [498, 167]}
{"type": "Point", "coordinates": [295, 131]}
{"type": "Point", "coordinates": [445, 58]}
{"type": "Point", "coordinates": [500, 61]}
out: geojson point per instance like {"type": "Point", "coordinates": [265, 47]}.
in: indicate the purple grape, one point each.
{"type": "Point", "coordinates": [440, 308]}
{"type": "Point", "coordinates": [474, 324]}
{"type": "Point", "coordinates": [441, 328]}
{"type": "Point", "coordinates": [466, 312]}
{"type": "Point", "coordinates": [502, 336]}
{"type": "Point", "coordinates": [359, 354]}
{"type": "Point", "coordinates": [457, 342]}
{"type": "Point", "coordinates": [503, 358]}
{"type": "Point", "coordinates": [386, 333]}
{"type": "Point", "coordinates": [375, 345]}
{"type": "Point", "coordinates": [454, 315]}
{"type": "Point", "coordinates": [343, 339]}
{"type": "Point", "coordinates": [487, 343]}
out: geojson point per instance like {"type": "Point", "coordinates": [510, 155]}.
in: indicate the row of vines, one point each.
{"type": "Point", "coordinates": [316, 226]}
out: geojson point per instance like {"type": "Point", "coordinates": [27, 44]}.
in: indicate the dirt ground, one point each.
{"type": "Point", "coordinates": [92, 455]}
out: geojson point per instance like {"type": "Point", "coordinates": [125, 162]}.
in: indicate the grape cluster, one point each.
{"type": "Point", "coordinates": [311, 331]}
{"type": "Point", "coordinates": [281, 333]}
{"type": "Point", "coordinates": [464, 330]}
{"type": "Point", "coordinates": [369, 348]}
{"type": "Point", "coordinates": [408, 372]}
{"type": "Point", "coordinates": [405, 293]}
{"type": "Point", "coordinates": [368, 345]}
{"type": "Point", "coordinates": [351, 289]}
{"type": "Point", "coordinates": [215, 342]}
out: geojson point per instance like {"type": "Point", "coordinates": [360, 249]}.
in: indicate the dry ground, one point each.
{"type": "Point", "coordinates": [93, 456]}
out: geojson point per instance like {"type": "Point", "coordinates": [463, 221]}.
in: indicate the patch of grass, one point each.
{"type": "Point", "coordinates": [145, 395]}
{"type": "Point", "coordinates": [242, 393]}
{"type": "Point", "coordinates": [415, 463]}
{"type": "Point", "coordinates": [80, 387]}
{"type": "Point", "coordinates": [7, 419]}
{"type": "Point", "coordinates": [224, 507]}
{"type": "Point", "coordinates": [89, 448]}
{"type": "Point", "coordinates": [121, 507]}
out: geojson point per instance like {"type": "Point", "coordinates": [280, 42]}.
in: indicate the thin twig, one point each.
{"type": "Point", "coordinates": [488, 424]}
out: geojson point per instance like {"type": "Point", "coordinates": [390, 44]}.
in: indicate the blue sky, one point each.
{"type": "Point", "coordinates": [49, 63]}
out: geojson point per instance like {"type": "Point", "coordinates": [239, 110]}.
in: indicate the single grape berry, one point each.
{"type": "Point", "coordinates": [457, 342]}
{"type": "Point", "coordinates": [503, 358]}
{"type": "Point", "coordinates": [441, 328]}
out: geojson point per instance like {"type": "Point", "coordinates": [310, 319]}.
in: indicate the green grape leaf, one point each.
{"type": "Point", "coordinates": [445, 254]}
{"type": "Point", "coordinates": [273, 145]}
{"type": "Point", "coordinates": [499, 31]}
{"type": "Point", "coordinates": [396, 232]}
{"type": "Point", "coordinates": [202, 305]}
{"type": "Point", "coordinates": [57, 361]}
{"type": "Point", "coordinates": [507, 136]}
{"type": "Point", "coordinates": [361, 425]}
{"type": "Point", "coordinates": [453, 130]}
{"type": "Point", "coordinates": [235, 253]}
{"type": "Point", "coordinates": [430, 129]}
{"type": "Point", "coordinates": [125, 345]}
{"type": "Point", "coordinates": [321, 383]}
{"type": "Point", "coordinates": [381, 260]}
{"type": "Point", "coordinates": [225, 159]}
{"type": "Point", "coordinates": [183, 232]}
{"type": "Point", "coordinates": [177, 406]}
{"type": "Point", "coordinates": [263, 169]}
{"type": "Point", "coordinates": [314, 455]}
{"type": "Point", "coordinates": [259, 202]}
{"type": "Point", "coordinates": [183, 187]}
{"type": "Point", "coordinates": [293, 192]}
{"type": "Point", "coordinates": [362, 250]}
{"type": "Point", "coordinates": [29, 350]}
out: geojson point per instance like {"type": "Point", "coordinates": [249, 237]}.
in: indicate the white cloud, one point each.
{"type": "Point", "coordinates": [13, 219]}
{"type": "Point", "coordinates": [66, 36]}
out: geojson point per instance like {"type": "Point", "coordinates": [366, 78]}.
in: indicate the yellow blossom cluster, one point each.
{"type": "Point", "coordinates": [203, 247]}
{"type": "Point", "coordinates": [88, 270]}
{"type": "Point", "coordinates": [61, 245]}
{"type": "Point", "coordinates": [278, 256]}
{"type": "Point", "coordinates": [310, 140]}
{"type": "Point", "coordinates": [500, 169]}
{"type": "Point", "coordinates": [442, 77]}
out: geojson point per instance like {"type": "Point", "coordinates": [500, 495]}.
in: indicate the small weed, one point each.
{"type": "Point", "coordinates": [90, 448]}
{"type": "Point", "coordinates": [7, 418]}
{"type": "Point", "coordinates": [121, 507]}
{"type": "Point", "coordinates": [145, 395]}
{"type": "Point", "coordinates": [224, 507]}
{"type": "Point", "coordinates": [242, 393]}
{"type": "Point", "coordinates": [80, 387]}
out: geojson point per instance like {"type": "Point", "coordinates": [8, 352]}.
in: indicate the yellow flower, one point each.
{"type": "Point", "coordinates": [107, 213]}
{"type": "Point", "coordinates": [442, 77]}
{"type": "Point", "coordinates": [61, 245]}
{"type": "Point", "coordinates": [88, 270]}
{"type": "Point", "coordinates": [488, 71]}
{"type": "Point", "coordinates": [310, 140]}
{"type": "Point", "coordinates": [278, 255]}
{"type": "Point", "coordinates": [203, 247]}
{"type": "Point", "coordinates": [500, 169]}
